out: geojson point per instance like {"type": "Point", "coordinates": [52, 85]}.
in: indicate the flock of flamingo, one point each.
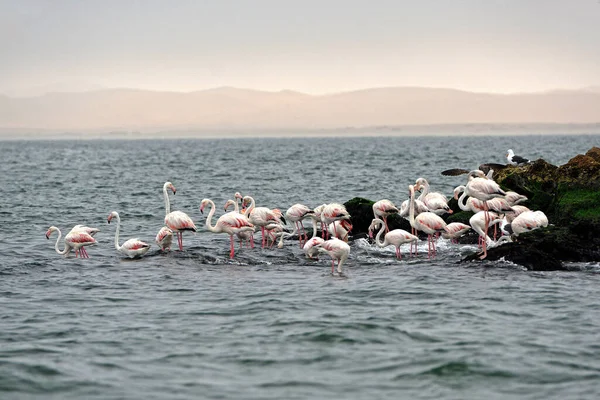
{"type": "Point", "coordinates": [490, 204]}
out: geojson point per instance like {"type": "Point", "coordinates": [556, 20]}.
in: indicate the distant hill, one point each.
{"type": "Point", "coordinates": [229, 108]}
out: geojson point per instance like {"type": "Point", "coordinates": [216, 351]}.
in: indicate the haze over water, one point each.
{"type": "Point", "coordinates": [271, 324]}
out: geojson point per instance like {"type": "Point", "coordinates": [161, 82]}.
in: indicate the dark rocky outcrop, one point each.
{"type": "Point", "coordinates": [568, 194]}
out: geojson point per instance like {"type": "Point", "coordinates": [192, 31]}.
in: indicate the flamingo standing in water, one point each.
{"type": "Point", "coordinates": [427, 222]}
{"type": "Point", "coordinates": [333, 212]}
{"type": "Point", "coordinates": [229, 223]}
{"type": "Point", "coordinates": [383, 208]}
{"type": "Point", "coordinates": [396, 238]}
{"type": "Point", "coordinates": [177, 221]}
{"type": "Point", "coordinates": [242, 235]}
{"type": "Point", "coordinates": [316, 217]}
{"type": "Point", "coordinates": [341, 230]}
{"type": "Point", "coordinates": [311, 249]}
{"type": "Point", "coordinates": [75, 239]}
{"type": "Point", "coordinates": [297, 213]}
{"type": "Point", "coordinates": [337, 250]}
{"type": "Point", "coordinates": [132, 247]}
{"type": "Point", "coordinates": [164, 238]}
{"type": "Point", "coordinates": [260, 216]}
{"type": "Point", "coordinates": [480, 222]}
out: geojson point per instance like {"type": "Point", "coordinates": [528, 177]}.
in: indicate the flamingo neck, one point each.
{"type": "Point", "coordinates": [236, 205]}
{"type": "Point", "coordinates": [117, 232]}
{"type": "Point", "coordinates": [378, 237]}
{"type": "Point", "coordinates": [251, 206]}
{"type": "Point", "coordinates": [462, 200]}
{"type": "Point", "coordinates": [209, 225]}
{"type": "Point", "coordinates": [66, 249]}
{"type": "Point", "coordinates": [167, 204]}
{"type": "Point", "coordinates": [424, 193]}
{"type": "Point", "coordinates": [411, 208]}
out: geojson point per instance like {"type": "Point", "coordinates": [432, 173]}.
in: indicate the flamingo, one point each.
{"type": "Point", "coordinates": [397, 237]}
{"type": "Point", "coordinates": [132, 247]}
{"type": "Point", "coordinates": [527, 221]}
{"type": "Point", "coordinates": [337, 250]}
{"type": "Point", "coordinates": [75, 240]}
{"type": "Point", "coordinates": [316, 216]}
{"type": "Point", "coordinates": [435, 201]}
{"type": "Point", "coordinates": [514, 198]}
{"type": "Point", "coordinates": [177, 221]}
{"type": "Point", "coordinates": [480, 222]}
{"type": "Point", "coordinates": [383, 208]}
{"type": "Point", "coordinates": [164, 238]}
{"type": "Point", "coordinates": [260, 216]}
{"type": "Point", "coordinates": [90, 231]}
{"type": "Point", "coordinates": [427, 222]}
{"type": "Point", "coordinates": [242, 235]}
{"type": "Point", "coordinates": [455, 230]}
{"type": "Point", "coordinates": [333, 212]}
{"type": "Point", "coordinates": [311, 249]}
{"type": "Point", "coordinates": [340, 230]}
{"type": "Point", "coordinates": [229, 223]}
{"type": "Point", "coordinates": [297, 213]}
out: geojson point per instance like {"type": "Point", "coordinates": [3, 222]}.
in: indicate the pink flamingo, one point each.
{"type": "Point", "coordinates": [383, 208]}
{"type": "Point", "coordinates": [435, 201]}
{"type": "Point", "coordinates": [229, 223]}
{"type": "Point", "coordinates": [527, 221]}
{"type": "Point", "coordinates": [316, 217]}
{"type": "Point", "coordinates": [177, 221]}
{"type": "Point", "coordinates": [396, 238]}
{"type": "Point", "coordinates": [75, 239]}
{"type": "Point", "coordinates": [480, 222]}
{"type": "Point", "coordinates": [337, 250]}
{"type": "Point", "coordinates": [260, 216]}
{"type": "Point", "coordinates": [515, 198]}
{"type": "Point", "coordinates": [311, 249]}
{"type": "Point", "coordinates": [455, 230]}
{"type": "Point", "coordinates": [164, 238]}
{"type": "Point", "coordinates": [427, 222]}
{"type": "Point", "coordinates": [341, 230]}
{"type": "Point", "coordinates": [242, 235]}
{"type": "Point", "coordinates": [333, 212]}
{"type": "Point", "coordinates": [132, 247]}
{"type": "Point", "coordinates": [297, 213]}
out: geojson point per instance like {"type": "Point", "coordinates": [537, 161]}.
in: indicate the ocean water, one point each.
{"type": "Point", "coordinates": [271, 324]}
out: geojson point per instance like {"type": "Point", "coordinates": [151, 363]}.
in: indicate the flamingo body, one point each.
{"type": "Point", "coordinates": [164, 238]}
{"type": "Point", "coordinates": [337, 250]}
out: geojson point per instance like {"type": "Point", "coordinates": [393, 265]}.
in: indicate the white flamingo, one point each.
{"type": "Point", "coordinates": [296, 214]}
{"type": "Point", "coordinates": [164, 238]}
{"type": "Point", "coordinates": [177, 221]}
{"type": "Point", "coordinates": [243, 236]}
{"type": "Point", "coordinates": [480, 222]}
{"type": "Point", "coordinates": [435, 201]}
{"type": "Point", "coordinates": [396, 237]}
{"type": "Point", "coordinates": [427, 222]}
{"type": "Point", "coordinates": [75, 239]}
{"type": "Point", "coordinates": [341, 230]}
{"type": "Point", "coordinates": [132, 247]}
{"type": "Point", "coordinates": [526, 222]}
{"type": "Point", "coordinates": [337, 250]}
{"type": "Point", "coordinates": [311, 249]}
{"type": "Point", "coordinates": [229, 223]}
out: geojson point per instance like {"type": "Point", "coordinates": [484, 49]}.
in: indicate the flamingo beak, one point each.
{"type": "Point", "coordinates": [48, 235]}
{"type": "Point", "coordinates": [202, 209]}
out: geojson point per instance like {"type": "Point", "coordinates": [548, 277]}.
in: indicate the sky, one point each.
{"type": "Point", "coordinates": [310, 46]}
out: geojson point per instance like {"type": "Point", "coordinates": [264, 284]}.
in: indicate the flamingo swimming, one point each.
{"type": "Point", "coordinates": [132, 247]}
{"type": "Point", "coordinates": [229, 223]}
{"type": "Point", "coordinates": [337, 250]}
{"type": "Point", "coordinates": [177, 221]}
{"type": "Point", "coordinates": [427, 222]}
{"type": "Point", "coordinates": [383, 208]}
{"type": "Point", "coordinates": [396, 237]}
{"type": "Point", "coordinates": [164, 238]}
{"type": "Point", "coordinates": [75, 239]}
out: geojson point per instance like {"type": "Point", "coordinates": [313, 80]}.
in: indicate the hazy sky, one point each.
{"type": "Point", "coordinates": [311, 46]}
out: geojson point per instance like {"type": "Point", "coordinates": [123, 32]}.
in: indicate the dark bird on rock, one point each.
{"type": "Point", "coordinates": [514, 159]}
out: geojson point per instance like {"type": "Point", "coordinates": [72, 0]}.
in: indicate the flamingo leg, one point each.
{"type": "Point", "coordinates": [386, 225]}
{"type": "Point", "coordinates": [262, 234]}
{"type": "Point", "coordinates": [180, 240]}
{"type": "Point", "coordinates": [332, 266]}
{"type": "Point", "coordinates": [85, 254]}
{"type": "Point", "coordinates": [232, 251]}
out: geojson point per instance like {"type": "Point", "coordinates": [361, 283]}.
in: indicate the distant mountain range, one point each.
{"type": "Point", "coordinates": [235, 109]}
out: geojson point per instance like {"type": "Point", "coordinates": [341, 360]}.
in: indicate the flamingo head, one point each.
{"type": "Point", "coordinates": [477, 174]}
{"type": "Point", "coordinates": [458, 190]}
{"type": "Point", "coordinates": [374, 225]}
{"type": "Point", "coordinates": [50, 230]}
{"type": "Point", "coordinates": [346, 224]}
{"type": "Point", "coordinates": [203, 205]}
{"type": "Point", "coordinates": [228, 203]}
{"type": "Point", "coordinates": [238, 195]}
{"type": "Point", "coordinates": [421, 183]}
{"type": "Point", "coordinates": [111, 216]}
{"type": "Point", "coordinates": [411, 190]}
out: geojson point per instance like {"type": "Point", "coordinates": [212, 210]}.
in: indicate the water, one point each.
{"type": "Point", "coordinates": [271, 324]}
